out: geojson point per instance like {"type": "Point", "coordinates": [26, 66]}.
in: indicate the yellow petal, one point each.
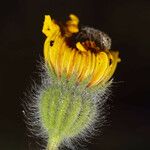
{"type": "Point", "coordinates": [101, 65]}
{"type": "Point", "coordinates": [82, 65]}
{"type": "Point", "coordinates": [49, 26]}
{"type": "Point", "coordinates": [72, 25]}
{"type": "Point", "coordinates": [93, 63]}
{"type": "Point", "coordinates": [74, 18]}
{"type": "Point", "coordinates": [46, 26]}
{"type": "Point", "coordinates": [77, 62]}
{"type": "Point", "coordinates": [71, 63]}
{"type": "Point", "coordinates": [47, 46]}
{"type": "Point", "coordinates": [111, 69]}
{"type": "Point", "coordinates": [59, 59]}
{"type": "Point", "coordinates": [53, 52]}
{"type": "Point", "coordinates": [87, 67]}
{"type": "Point", "coordinates": [65, 59]}
{"type": "Point", "coordinates": [80, 47]}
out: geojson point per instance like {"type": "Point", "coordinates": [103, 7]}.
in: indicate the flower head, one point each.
{"type": "Point", "coordinates": [84, 52]}
{"type": "Point", "coordinates": [65, 110]}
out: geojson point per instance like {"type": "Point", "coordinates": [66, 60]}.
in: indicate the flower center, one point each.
{"type": "Point", "coordinates": [90, 39]}
{"type": "Point", "coordinates": [94, 37]}
{"type": "Point", "coordinates": [87, 46]}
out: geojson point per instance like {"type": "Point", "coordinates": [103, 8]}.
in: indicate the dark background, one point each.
{"type": "Point", "coordinates": [21, 44]}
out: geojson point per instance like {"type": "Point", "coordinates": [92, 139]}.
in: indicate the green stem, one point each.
{"type": "Point", "coordinates": [53, 143]}
{"type": "Point", "coordinates": [52, 147]}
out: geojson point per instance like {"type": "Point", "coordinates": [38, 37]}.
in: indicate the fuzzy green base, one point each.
{"type": "Point", "coordinates": [63, 115]}
{"type": "Point", "coordinates": [66, 109]}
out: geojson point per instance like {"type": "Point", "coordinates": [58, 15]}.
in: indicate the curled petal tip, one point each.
{"type": "Point", "coordinates": [80, 47]}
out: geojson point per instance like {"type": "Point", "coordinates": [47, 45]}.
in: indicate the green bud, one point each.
{"type": "Point", "coordinates": [64, 116]}
{"type": "Point", "coordinates": [62, 111]}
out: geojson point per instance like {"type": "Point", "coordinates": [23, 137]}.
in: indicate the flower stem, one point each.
{"type": "Point", "coordinates": [52, 147]}
{"type": "Point", "coordinates": [53, 144]}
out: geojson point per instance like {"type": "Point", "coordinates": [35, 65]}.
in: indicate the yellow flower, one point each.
{"type": "Point", "coordinates": [84, 52]}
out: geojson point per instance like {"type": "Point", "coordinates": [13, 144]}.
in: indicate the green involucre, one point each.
{"type": "Point", "coordinates": [67, 110]}
{"type": "Point", "coordinates": [64, 112]}
{"type": "Point", "coordinates": [63, 115]}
